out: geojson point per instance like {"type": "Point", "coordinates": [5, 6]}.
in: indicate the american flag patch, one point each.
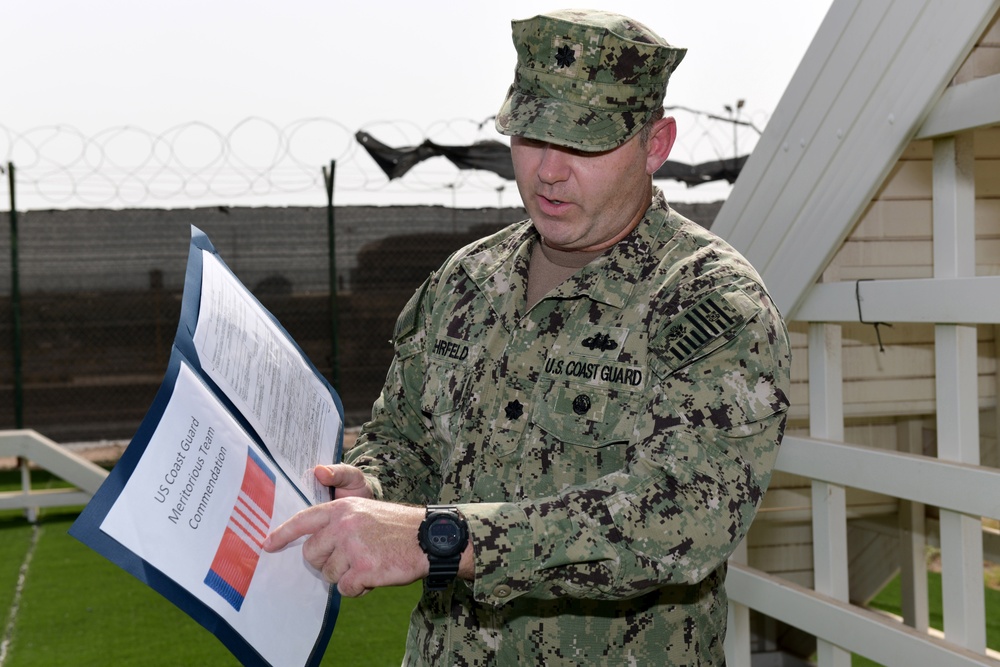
{"type": "Point", "coordinates": [706, 321]}
{"type": "Point", "coordinates": [236, 558]}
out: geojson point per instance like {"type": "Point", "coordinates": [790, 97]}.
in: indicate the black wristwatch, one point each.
{"type": "Point", "coordinates": [443, 535]}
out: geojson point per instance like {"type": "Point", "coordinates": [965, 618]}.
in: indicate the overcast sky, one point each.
{"type": "Point", "coordinates": [402, 70]}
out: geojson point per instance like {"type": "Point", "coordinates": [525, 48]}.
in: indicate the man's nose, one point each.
{"type": "Point", "coordinates": [554, 165]}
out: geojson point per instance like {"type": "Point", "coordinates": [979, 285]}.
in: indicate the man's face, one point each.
{"type": "Point", "coordinates": [585, 201]}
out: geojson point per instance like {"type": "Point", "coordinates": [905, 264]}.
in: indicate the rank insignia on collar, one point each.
{"type": "Point", "coordinates": [514, 409]}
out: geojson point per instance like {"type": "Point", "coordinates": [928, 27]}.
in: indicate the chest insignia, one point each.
{"type": "Point", "coordinates": [581, 404]}
{"type": "Point", "coordinates": [602, 342]}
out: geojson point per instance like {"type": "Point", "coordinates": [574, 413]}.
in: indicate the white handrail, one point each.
{"type": "Point", "coordinates": [36, 448]}
{"type": "Point", "coordinates": [969, 489]}
{"type": "Point", "coordinates": [853, 628]}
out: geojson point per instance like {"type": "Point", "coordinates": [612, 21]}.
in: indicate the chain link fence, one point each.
{"type": "Point", "coordinates": [100, 290]}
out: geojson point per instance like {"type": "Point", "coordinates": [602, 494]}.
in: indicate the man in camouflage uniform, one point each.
{"type": "Point", "coordinates": [599, 392]}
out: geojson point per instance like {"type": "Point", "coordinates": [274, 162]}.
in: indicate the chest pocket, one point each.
{"type": "Point", "coordinates": [444, 389]}
{"type": "Point", "coordinates": [587, 415]}
{"type": "Point", "coordinates": [442, 397]}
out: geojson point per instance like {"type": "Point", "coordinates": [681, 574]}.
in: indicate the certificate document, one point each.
{"type": "Point", "coordinates": [224, 455]}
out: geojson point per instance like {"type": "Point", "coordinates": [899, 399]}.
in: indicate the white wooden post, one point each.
{"type": "Point", "coordinates": [992, 457]}
{"type": "Point", "coordinates": [957, 391]}
{"type": "Point", "coordinates": [737, 643]}
{"type": "Point", "coordinates": [829, 501]}
{"type": "Point", "coordinates": [913, 539]}
{"type": "Point", "coordinates": [31, 512]}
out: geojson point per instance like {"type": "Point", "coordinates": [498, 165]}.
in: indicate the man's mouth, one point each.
{"type": "Point", "coordinates": [551, 206]}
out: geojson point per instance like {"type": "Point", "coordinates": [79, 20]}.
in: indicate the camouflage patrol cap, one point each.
{"type": "Point", "coordinates": [585, 79]}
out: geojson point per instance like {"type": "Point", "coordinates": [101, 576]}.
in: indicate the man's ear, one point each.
{"type": "Point", "coordinates": [661, 141]}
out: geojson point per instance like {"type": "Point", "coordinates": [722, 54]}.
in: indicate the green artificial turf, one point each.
{"type": "Point", "coordinates": [372, 630]}
{"type": "Point", "coordinates": [78, 608]}
{"type": "Point", "coordinates": [889, 600]}
{"type": "Point", "coordinates": [14, 544]}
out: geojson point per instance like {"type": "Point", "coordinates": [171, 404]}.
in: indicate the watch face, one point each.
{"type": "Point", "coordinates": [444, 535]}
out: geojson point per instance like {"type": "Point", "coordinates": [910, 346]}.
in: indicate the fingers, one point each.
{"type": "Point", "coordinates": [332, 567]}
{"type": "Point", "coordinates": [349, 586]}
{"type": "Point", "coordinates": [318, 550]}
{"type": "Point", "coordinates": [306, 522]}
{"type": "Point", "coordinates": [332, 475]}
{"type": "Point", "coordinates": [357, 544]}
{"type": "Point", "coordinates": [346, 479]}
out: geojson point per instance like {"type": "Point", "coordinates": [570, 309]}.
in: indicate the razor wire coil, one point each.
{"type": "Point", "coordinates": [258, 159]}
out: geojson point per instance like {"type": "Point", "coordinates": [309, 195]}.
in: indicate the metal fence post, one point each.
{"type": "Point", "coordinates": [332, 240]}
{"type": "Point", "coordinates": [15, 302]}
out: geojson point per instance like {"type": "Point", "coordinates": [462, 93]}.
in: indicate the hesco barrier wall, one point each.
{"type": "Point", "coordinates": [99, 298]}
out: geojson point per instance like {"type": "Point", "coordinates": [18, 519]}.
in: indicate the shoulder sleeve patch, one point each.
{"type": "Point", "coordinates": [407, 321]}
{"type": "Point", "coordinates": [711, 322]}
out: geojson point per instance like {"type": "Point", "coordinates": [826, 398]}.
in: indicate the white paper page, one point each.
{"type": "Point", "coordinates": [189, 488]}
{"type": "Point", "coordinates": [264, 375]}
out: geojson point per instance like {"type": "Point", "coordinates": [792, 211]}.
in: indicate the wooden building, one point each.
{"type": "Point", "coordinates": [871, 206]}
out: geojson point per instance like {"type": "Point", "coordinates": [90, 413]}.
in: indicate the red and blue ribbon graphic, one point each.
{"type": "Point", "coordinates": [239, 551]}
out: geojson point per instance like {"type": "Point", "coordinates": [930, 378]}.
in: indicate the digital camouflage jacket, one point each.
{"type": "Point", "coordinates": [609, 447]}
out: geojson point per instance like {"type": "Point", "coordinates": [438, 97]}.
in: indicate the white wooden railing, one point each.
{"type": "Point", "coordinates": [30, 446]}
{"type": "Point", "coordinates": [966, 490]}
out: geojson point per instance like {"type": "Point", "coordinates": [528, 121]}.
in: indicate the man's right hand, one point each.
{"type": "Point", "coordinates": [346, 480]}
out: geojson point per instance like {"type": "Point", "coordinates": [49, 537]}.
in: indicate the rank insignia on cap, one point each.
{"type": "Point", "coordinates": [565, 57]}
{"type": "Point", "coordinates": [585, 79]}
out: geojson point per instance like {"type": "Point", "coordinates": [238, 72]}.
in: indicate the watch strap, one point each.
{"type": "Point", "coordinates": [443, 569]}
